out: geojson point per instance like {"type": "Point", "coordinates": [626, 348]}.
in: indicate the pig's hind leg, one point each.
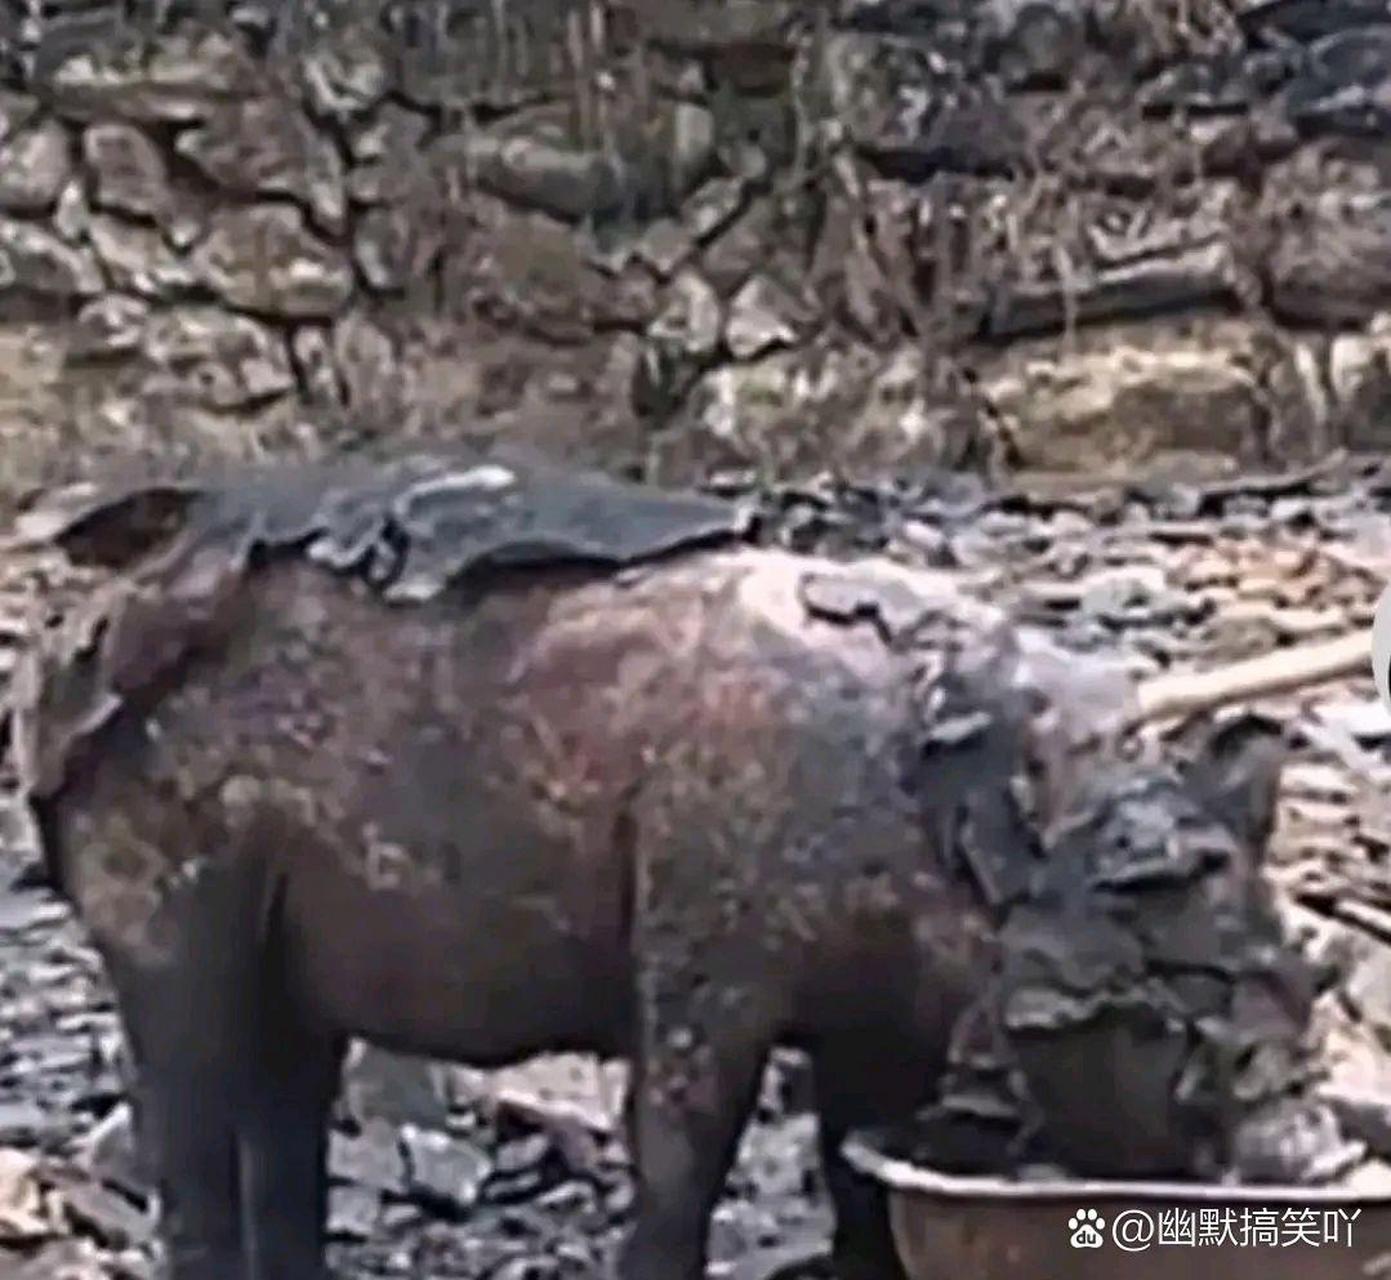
{"type": "Point", "coordinates": [186, 1018]}
{"type": "Point", "coordinates": [290, 1080]}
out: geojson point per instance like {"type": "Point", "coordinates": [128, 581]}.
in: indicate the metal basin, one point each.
{"type": "Point", "coordinates": [950, 1227]}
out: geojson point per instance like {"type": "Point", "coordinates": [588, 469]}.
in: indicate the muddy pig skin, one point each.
{"type": "Point", "coordinates": [664, 815]}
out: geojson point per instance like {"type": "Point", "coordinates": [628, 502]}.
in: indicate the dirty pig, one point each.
{"type": "Point", "coordinates": [375, 758]}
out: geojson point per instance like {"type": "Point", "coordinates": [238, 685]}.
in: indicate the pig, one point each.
{"type": "Point", "coordinates": [476, 761]}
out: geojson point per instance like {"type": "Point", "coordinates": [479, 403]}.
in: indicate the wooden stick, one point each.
{"type": "Point", "coordinates": [1182, 693]}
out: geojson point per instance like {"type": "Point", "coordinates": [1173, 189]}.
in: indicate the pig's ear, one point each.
{"type": "Point", "coordinates": [1236, 769]}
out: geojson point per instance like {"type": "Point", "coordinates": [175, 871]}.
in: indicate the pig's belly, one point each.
{"type": "Point", "coordinates": [440, 972]}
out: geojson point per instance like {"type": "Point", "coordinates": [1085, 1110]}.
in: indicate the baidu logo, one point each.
{"type": "Point", "coordinates": [1381, 648]}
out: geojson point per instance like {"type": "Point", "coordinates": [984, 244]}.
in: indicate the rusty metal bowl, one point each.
{"type": "Point", "coordinates": [951, 1227]}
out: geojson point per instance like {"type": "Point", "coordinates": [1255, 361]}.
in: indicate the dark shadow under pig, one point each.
{"type": "Point", "coordinates": [680, 813]}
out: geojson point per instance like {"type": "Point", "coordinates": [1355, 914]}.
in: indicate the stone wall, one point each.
{"type": "Point", "coordinates": [674, 234]}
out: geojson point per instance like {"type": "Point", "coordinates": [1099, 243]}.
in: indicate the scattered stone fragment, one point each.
{"type": "Point", "coordinates": [21, 1121]}
{"type": "Point", "coordinates": [106, 1215]}
{"type": "Point", "coordinates": [1369, 992]}
{"type": "Point", "coordinates": [65, 1260]}
{"type": "Point", "coordinates": [1364, 1115]}
{"type": "Point", "coordinates": [372, 1158]}
{"type": "Point", "coordinates": [110, 1153]}
{"type": "Point", "coordinates": [444, 1171]}
{"type": "Point", "coordinates": [353, 1212]}
{"type": "Point", "coordinates": [23, 1215]}
{"type": "Point", "coordinates": [21, 912]}
{"type": "Point", "coordinates": [388, 1086]}
{"type": "Point", "coordinates": [1367, 720]}
{"type": "Point", "coordinates": [1294, 1142]}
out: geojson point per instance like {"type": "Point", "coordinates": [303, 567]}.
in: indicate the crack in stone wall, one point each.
{"type": "Point", "coordinates": [670, 236]}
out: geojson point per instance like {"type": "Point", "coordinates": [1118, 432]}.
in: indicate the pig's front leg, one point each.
{"type": "Point", "coordinates": [862, 1079]}
{"type": "Point", "coordinates": [284, 1140]}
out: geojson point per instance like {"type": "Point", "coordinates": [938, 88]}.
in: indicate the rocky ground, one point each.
{"type": "Point", "coordinates": [446, 1172]}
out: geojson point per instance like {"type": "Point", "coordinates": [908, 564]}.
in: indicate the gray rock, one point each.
{"type": "Point", "coordinates": [312, 353]}
{"type": "Point", "coordinates": [36, 261]}
{"type": "Point", "coordinates": [665, 246]}
{"type": "Point", "coordinates": [444, 1170]}
{"type": "Point", "coordinates": [1369, 991]}
{"type": "Point", "coordinates": [138, 260]}
{"type": "Point", "coordinates": [522, 1155]}
{"type": "Point", "coordinates": [346, 73]}
{"type": "Point", "coordinates": [1293, 1141]}
{"type": "Point", "coordinates": [20, 912]}
{"type": "Point", "coordinates": [690, 322]}
{"type": "Point", "coordinates": [266, 146]}
{"type": "Point", "coordinates": [130, 175]}
{"type": "Point", "coordinates": [567, 184]}
{"type": "Point", "coordinates": [1362, 1114]}
{"type": "Point", "coordinates": [397, 177]}
{"type": "Point", "coordinates": [353, 1212]}
{"type": "Point", "coordinates": [181, 78]}
{"type": "Point", "coordinates": [368, 370]}
{"type": "Point", "coordinates": [692, 146]}
{"type": "Point", "coordinates": [1365, 719]}
{"type": "Point", "coordinates": [223, 361]}
{"type": "Point", "coordinates": [68, 1259]}
{"type": "Point", "coordinates": [265, 260]}
{"type": "Point", "coordinates": [110, 325]}
{"type": "Point", "coordinates": [73, 214]}
{"type": "Point", "coordinates": [394, 246]}
{"type": "Point", "coordinates": [713, 207]}
{"type": "Point", "coordinates": [370, 1159]}
{"type": "Point", "coordinates": [391, 130]}
{"type": "Point", "coordinates": [21, 1120]}
{"type": "Point", "coordinates": [16, 110]}
{"type": "Point", "coordinates": [110, 1152]}
{"type": "Point", "coordinates": [760, 320]}
{"type": "Point", "coordinates": [35, 165]}
{"type": "Point", "coordinates": [378, 1085]}
{"type": "Point", "coordinates": [108, 1216]}
{"type": "Point", "coordinates": [681, 343]}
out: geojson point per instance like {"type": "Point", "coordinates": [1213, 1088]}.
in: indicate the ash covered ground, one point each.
{"type": "Point", "coordinates": [443, 1171]}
